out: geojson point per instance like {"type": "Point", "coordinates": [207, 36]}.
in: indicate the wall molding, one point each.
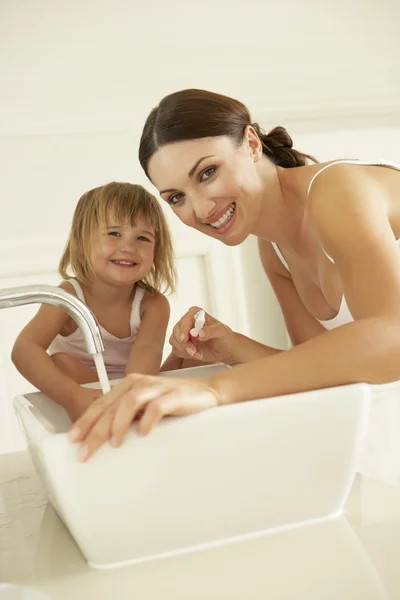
{"type": "Point", "coordinates": [302, 118]}
{"type": "Point", "coordinates": [320, 117]}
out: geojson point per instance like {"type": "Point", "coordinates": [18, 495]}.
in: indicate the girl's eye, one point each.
{"type": "Point", "coordinates": [207, 173]}
{"type": "Point", "coordinates": [143, 238]}
{"type": "Point", "coordinates": [114, 233]}
{"type": "Point", "coordinates": [174, 199]}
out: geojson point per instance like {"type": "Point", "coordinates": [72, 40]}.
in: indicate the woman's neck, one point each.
{"type": "Point", "coordinates": [283, 217]}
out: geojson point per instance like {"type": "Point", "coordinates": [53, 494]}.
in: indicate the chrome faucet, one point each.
{"type": "Point", "coordinates": [49, 294]}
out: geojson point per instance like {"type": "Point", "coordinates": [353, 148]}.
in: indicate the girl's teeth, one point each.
{"type": "Point", "coordinates": [224, 218]}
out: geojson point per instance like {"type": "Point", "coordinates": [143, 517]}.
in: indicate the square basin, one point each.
{"type": "Point", "coordinates": [215, 477]}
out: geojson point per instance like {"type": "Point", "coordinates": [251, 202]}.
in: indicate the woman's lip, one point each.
{"type": "Point", "coordinates": [218, 215]}
{"type": "Point", "coordinates": [226, 226]}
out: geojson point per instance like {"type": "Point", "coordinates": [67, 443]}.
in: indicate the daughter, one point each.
{"type": "Point", "coordinates": [120, 252]}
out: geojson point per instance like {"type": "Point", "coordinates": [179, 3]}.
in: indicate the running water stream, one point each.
{"type": "Point", "coordinates": [102, 373]}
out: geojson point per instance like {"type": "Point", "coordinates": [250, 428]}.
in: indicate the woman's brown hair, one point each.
{"type": "Point", "coordinates": [193, 114]}
{"type": "Point", "coordinates": [127, 203]}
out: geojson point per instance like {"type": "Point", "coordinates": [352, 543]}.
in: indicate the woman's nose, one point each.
{"type": "Point", "coordinates": [203, 207]}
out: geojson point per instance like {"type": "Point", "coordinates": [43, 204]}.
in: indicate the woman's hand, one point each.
{"type": "Point", "coordinates": [213, 344]}
{"type": "Point", "coordinates": [141, 397]}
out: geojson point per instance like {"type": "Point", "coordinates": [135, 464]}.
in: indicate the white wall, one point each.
{"type": "Point", "coordinates": [100, 64]}
{"type": "Point", "coordinates": [79, 78]}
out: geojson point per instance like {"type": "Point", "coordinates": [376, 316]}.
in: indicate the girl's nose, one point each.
{"type": "Point", "coordinates": [128, 245]}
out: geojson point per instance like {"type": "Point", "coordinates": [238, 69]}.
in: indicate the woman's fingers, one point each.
{"type": "Point", "coordinates": [180, 398]}
{"type": "Point", "coordinates": [185, 324]}
{"type": "Point", "coordinates": [152, 398]}
{"type": "Point", "coordinates": [98, 435]}
{"type": "Point", "coordinates": [114, 413]}
{"type": "Point", "coordinates": [174, 401]}
{"type": "Point", "coordinates": [211, 332]}
{"type": "Point", "coordinates": [184, 344]}
{"type": "Point", "coordinates": [156, 410]}
{"type": "Point", "coordinates": [83, 425]}
{"type": "Point", "coordinates": [193, 348]}
{"type": "Point", "coordinates": [183, 350]}
{"type": "Point", "coordinates": [133, 403]}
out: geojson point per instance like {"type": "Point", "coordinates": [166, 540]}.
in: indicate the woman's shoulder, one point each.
{"type": "Point", "coordinates": [348, 197]}
{"type": "Point", "coordinates": [342, 172]}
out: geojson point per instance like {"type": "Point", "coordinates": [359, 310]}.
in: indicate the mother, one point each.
{"type": "Point", "coordinates": [328, 240]}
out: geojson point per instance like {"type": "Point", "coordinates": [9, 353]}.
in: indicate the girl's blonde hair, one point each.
{"type": "Point", "coordinates": [126, 202]}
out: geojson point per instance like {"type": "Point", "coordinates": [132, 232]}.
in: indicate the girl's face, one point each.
{"type": "Point", "coordinates": [123, 253]}
{"type": "Point", "coordinates": [212, 185]}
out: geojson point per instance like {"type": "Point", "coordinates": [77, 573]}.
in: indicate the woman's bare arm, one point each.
{"type": "Point", "coordinates": [350, 217]}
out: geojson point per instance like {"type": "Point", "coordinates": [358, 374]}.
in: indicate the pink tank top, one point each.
{"type": "Point", "coordinates": [116, 350]}
{"type": "Point", "coordinates": [344, 315]}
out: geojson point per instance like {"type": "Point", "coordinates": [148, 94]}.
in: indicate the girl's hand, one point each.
{"type": "Point", "coordinates": [213, 344]}
{"type": "Point", "coordinates": [79, 404]}
{"type": "Point", "coordinates": [144, 397]}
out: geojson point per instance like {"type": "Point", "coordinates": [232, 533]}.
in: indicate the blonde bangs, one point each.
{"type": "Point", "coordinates": [126, 203]}
{"type": "Point", "coordinates": [123, 203]}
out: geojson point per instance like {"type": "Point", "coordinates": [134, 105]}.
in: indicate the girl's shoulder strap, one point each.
{"type": "Point", "coordinates": [136, 303]}
{"type": "Point", "coordinates": [77, 288]}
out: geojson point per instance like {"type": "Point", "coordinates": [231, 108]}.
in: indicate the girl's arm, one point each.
{"type": "Point", "coordinates": [173, 363]}
{"type": "Point", "coordinates": [147, 349]}
{"type": "Point", "coordinates": [32, 361]}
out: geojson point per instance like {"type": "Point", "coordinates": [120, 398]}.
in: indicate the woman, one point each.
{"type": "Point", "coordinates": [328, 244]}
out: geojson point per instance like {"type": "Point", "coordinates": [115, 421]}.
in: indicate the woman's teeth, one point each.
{"type": "Point", "coordinates": [225, 217]}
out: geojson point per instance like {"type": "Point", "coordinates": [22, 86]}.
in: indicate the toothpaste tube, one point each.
{"type": "Point", "coordinates": [199, 322]}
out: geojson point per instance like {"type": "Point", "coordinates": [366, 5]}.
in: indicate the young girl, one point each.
{"type": "Point", "coordinates": [120, 252]}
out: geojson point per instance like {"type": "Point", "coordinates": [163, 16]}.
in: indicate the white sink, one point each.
{"type": "Point", "coordinates": [219, 476]}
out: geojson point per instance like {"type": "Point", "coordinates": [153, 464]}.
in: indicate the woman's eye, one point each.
{"type": "Point", "coordinates": [207, 173]}
{"type": "Point", "coordinates": [174, 199]}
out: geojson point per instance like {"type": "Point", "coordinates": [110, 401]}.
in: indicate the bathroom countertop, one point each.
{"type": "Point", "coordinates": [357, 557]}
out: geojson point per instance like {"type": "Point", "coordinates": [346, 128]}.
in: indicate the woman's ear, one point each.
{"type": "Point", "coordinates": [252, 143]}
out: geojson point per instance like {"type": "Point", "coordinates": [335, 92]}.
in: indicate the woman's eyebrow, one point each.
{"type": "Point", "coordinates": [191, 172]}
{"type": "Point", "coordinates": [193, 169]}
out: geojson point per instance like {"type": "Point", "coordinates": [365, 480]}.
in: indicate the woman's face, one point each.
{"type": "Point", "coordinates": [211, 185]}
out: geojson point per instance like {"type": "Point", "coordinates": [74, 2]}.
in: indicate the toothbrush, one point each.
{"type": "Point", "coordinates": [199, 322]}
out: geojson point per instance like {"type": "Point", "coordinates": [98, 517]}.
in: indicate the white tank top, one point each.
{"type": "Point", "coordinates": [116, 350]}
{"type": "Point", "coordinates": [344, 315]}
{"type": "Point", "coordinates": [380, 457]}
